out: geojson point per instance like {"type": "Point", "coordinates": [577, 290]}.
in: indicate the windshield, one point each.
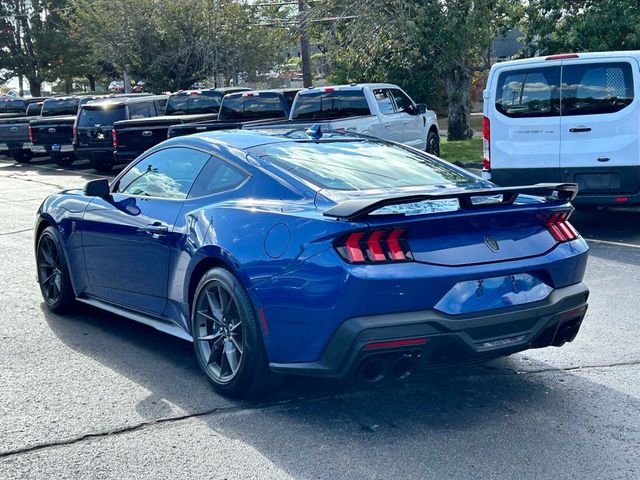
{"type": "Point", "coordinates": [253, 107]}
{"type": "Point", "coordinates": [359, 165]}
{"type": "Point", "coordinates": [193, 103]}
{"type": "Point", "coordinates": [52, 107]}
{"type": "Point", "coordinates": [103, 115]}
{"type": "Point", "coordinates": [331, 104]}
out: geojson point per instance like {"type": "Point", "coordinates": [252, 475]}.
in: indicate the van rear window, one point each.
{"type": "Point", "coordinates": [533, 92]}
{"type": "Point", "coordinates": [101, 115]}
{"type": "Point", "coordinates": [332, 104]}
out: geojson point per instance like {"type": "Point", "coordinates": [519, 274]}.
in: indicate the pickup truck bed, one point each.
{"type": "Point", "coordinates": [14, 137]}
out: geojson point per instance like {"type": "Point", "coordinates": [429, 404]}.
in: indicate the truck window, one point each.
{"type": "Point", "coordinates": [54, 106]}
{"type": "Point", "coordinates": [101, 115]}
{"type": "Point", "coordinates": [140, 110]}
{"type": "Point", "coordinates": [533, 92]}
{"type": "Point", "coordinates": [193, 103]}
{"type": "Point", "coordinates": [383, 99]}
{"type": "Point", "coordinates": [34, 109]}
{"type": "Point", "coordinates": [596, 88]}
{"type": "Point", "coordinates": [403, 103]}
{"type": "Point", "coordinates": [12, 106]}
{"type": "Point", "coordinates": [254, 107]}
{"type": "Point", "coordinates": [331, 104]}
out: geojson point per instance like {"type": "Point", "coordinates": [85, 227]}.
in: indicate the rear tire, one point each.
{"type": "Point", "coordinates": [433, 143]}
{"type": "Point", "coordinates": [227, 338]}
{"type": "Point", "coordinates": [22, 155]}
{"type": "Point", "coordinates": [53, 275]}
{"type": "Point", "coordinates": [63, 159]}
{"type": "Point", "coordinates": [102, 165]}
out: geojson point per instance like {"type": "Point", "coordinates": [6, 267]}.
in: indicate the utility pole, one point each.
{"type": "Point", "coordinates": [304, 44]}
{"type": "Point", "coordinates": [19, 45]}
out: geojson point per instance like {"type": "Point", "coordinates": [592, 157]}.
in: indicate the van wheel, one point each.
{"type": "Point", "coordinates": [22, 156]}
{"type": "Point", "coordinates": [433, 143]}
{"type": "Point", "coordinates": [62, 159]}
{"type": "Point", "coordinates": [102, 165]}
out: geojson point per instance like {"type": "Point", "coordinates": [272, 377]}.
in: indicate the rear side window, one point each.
{"type": "Point", "coordinates": [52, 107]}
{"type": "Point", "coordinates": [331, 104]}
{"type": "Point", "coordinates": [589, 89]}
{"type": "Point", "coordinates": [193, 103]}
{"type": "Point", "coordinates": [141, 110]}
{"type": "Point", "coordinates": [254, 107]}
{"type": "Point", "coordinates": [533, 92]}
{"type": "Point", "coordinates": [217, 176]}
{"type": "Point", "coordinates": [384, 101]}
{"type": "Point", "coordinates": [358, 165]}
{"type": "Point", "coordinates": [105, 115]}
{"type": "Point", "coordinates": [168, 173]}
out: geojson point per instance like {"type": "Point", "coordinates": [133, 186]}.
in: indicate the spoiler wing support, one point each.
{"type": "Point", "coordinates": [357, 208]}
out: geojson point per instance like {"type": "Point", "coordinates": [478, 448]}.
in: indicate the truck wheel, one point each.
{"type": "Point", "coordinates": [433, 143]}
{"type": "Point", "coordinates": [102, 165]}
{"type": "Point", "coordinates": [63, 159]}
{"type": "Point", "coordinates": [22, 156]}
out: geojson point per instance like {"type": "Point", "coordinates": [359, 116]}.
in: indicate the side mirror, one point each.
{"type": "Point", "coordinates": [97, 188]}
{"type": "Point", "coordinates": [421, 108]}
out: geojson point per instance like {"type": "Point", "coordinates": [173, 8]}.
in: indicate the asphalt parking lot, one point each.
{"type": "Point", "coordinates": [96, 396]}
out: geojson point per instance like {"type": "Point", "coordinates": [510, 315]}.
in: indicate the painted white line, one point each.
{"type": "Point", "coordinates": [608, 242]}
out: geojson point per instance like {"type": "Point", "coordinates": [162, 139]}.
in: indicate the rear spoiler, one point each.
{"type": "Point", "coordinates": [359, 207]}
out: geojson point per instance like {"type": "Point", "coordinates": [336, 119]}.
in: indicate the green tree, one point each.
{"type": "Point", "coordinates": [554, 26]}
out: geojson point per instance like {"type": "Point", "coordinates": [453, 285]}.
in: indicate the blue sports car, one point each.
{"type": "Point", "coordinates": [282, 251]}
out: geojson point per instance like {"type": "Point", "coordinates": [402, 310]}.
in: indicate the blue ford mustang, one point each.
{"type": "Point", "coordinates": [330, 254]}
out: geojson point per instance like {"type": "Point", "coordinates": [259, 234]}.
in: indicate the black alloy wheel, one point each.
{"type": "Point", "coordinates": [53, 276]}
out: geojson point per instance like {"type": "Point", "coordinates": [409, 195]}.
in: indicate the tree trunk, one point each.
{"type": "Point", "coordinates": [457, 85]}
{"type": "Point", "coordinates": [92, 82]}
{"type": "Point", "coordinates": [35, 85]}
{"type": "Point", "coordinates": [68, 85]}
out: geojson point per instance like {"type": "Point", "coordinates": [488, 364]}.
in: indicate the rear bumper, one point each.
{"type": "Point", "coordinates": [15, 145]}
{"type": "Point", "coordinates": [88, 153]}
{"type": "Point", "coordinates": [64, 148]}
{"type": "Point", "coordinates": [451, 339]}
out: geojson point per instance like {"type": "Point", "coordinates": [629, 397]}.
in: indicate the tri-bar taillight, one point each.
{"type": "Point", "coordinates": [559, 227]}
{"type": "Point", "coordinates": [375, 246]}
{"type": "Point", "coordinates": [114, 138]}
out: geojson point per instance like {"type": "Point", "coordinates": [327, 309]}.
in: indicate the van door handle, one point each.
{"type": "Point", "coordinates": [580, 129]}
{"type": "Point", "coordinates": [156, 229]}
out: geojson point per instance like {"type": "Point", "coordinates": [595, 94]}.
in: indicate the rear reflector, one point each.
{"type": "Point", "coordinates": [622, 199]}
{"type": "Point", "coordinates": [559, 227]}
{"type": "Point", "coordinates": [562, 56]}
{"type": "Point", "coordinates": [396, 343]}
{"type": "Point", "coordinates": [377, 246]}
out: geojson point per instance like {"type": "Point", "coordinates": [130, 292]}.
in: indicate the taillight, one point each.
{"type": "Point", "coordinates": [30, 134]}
{"type": "Point", "coordinates": [486, 144]}
{"type": "Point", "coordinates": [114, 139]}
{"type": "Point", "coordinates": [377, 246]}
{"type": "Point", "coordinates": [559, 227]}
{"type": "Point", "coordinates": [75, 132]}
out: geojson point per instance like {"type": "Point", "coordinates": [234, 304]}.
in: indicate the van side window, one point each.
{"type": "Point", "coordinates": [596, 88]}
{"type": "Point", "coordinates": [534, 92]}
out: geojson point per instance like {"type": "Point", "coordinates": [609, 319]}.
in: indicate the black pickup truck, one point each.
{"type": "Point", "coordinates": [243, 108]}
{"type": "Point", "coordinates": [52, 133]}
{"type": "Point", "coordinates": [132, 137]}
{"type": "Point", "coordinates": [14, 131]}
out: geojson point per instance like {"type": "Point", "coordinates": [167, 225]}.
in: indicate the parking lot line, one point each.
{"type": "Point", "coordinates": [609, 242]}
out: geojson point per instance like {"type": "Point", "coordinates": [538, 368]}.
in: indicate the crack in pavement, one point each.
{"type": "Point", "coordinates": [256, 406]}
{"type": "Point", "coordinates": [17, 231]}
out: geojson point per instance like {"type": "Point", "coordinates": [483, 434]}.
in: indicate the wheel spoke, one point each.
{"type": "Point", "coordinates": [224, 300]}
{"type": "Point", "coordinates": [211, 338]}
{"type": "Point", "coordinates": [46, 254]}
{"type": "Point", "coordinates": [46, 280]}
{"type": "Point", "coordinates": [232, 356]}
{"type": "Point", "coordinates": [237, 344]}
{"type": "Point", "coordinates": [235, 326]}
{"type": "Point", "coordinates": [209, 317]}
{"type": "Point", "coordinates": [216, 310]}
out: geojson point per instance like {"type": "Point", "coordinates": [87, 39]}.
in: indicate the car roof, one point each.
{"type": "Point", "coordinates": [552, 59]}
{"type": "Point", "coordinates": [351, 86]}
{"type": "Point", "coordinates": [120, 101]}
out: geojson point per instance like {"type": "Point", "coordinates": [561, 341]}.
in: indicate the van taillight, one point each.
{"type": "Point", "coordinates": [486, 144]}
{"type": "Point", "coordinates": [559, 227]}
{"type": "Point", "coordinates": [377, 246]}
{"type": "Point", "coordinates": [114, 139]}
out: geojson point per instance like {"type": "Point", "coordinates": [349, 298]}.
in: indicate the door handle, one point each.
{"type": "Point", "coordinates": [580, 129]}
{"type": "Point", "coordinates": [156, 229]}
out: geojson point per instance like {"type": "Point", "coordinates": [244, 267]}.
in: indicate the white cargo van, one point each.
{"type": "Point", "coordinates": [566, 118]}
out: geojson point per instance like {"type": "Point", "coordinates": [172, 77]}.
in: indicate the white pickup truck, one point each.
{"type": "Point", "coordinates": [382, 110]}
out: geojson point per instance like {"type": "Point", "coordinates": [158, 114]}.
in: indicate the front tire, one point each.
{"type": "Point", "coordinates": [227, 337]}
{"type": "Point", "coordinates": [53, 275]}
{"type": "Point", "coordinates": [433, 143]}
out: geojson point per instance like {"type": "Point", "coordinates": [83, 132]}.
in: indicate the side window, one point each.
{"type": "Point", "coordinates": [160, 106]}
{"type": "Point", "coordinates": [168, 173]}
{"type": "Point", "coordinates": [383, 99]}
{"type": "Point", "coordinates": [596, 88]}
{"type": "Point", "coordinates": [532, 92]}
{"type": "Point", "coordinates": [140, 110]}
{"type": "Point", "coordinates": [217, 176]}
{"type": "Point", "coordinates": [403, 103]}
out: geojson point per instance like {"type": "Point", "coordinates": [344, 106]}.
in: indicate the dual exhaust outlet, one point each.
{"type": "Point", "coordinates": [376, 368]}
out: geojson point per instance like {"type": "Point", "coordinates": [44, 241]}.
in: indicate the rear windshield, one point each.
{"type": "Point", "coordinates": [358, 165]}
{"type": "Point", "coordinates": [254, 107]}
{"type": "Point", "coordinates": [34, 109]}
{"type": "Point", "coordinates": [335, 104]}
{"type": "Point", "coordinates": [103, 115]}
{"type": "Point", "coordinates": [54, 106]}
{"type": "Point", "coordinates": [12, 106]}
{"type": "Point", "coordinates": [193, 103]}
